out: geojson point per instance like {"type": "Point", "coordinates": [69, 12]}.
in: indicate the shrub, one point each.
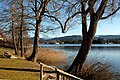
{"type": "Point", "coordinates": [96, 70]}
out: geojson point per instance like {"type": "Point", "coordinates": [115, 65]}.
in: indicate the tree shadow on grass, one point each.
{"type": "Point", "coordinates": [1, 56]}
{"type": "Point", "coordinates": [18, 69]}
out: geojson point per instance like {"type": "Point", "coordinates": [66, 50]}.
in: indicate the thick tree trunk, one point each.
{"type": "Point", "coordinates": [88, 34]}
{"type": "Point", "coordinates": [33, 56]}
{"type": "Point", "coordinates": [77, 64]}
{"type": "Point", "coordinates": [80, 59]}
{"type": "Point", "coordinates": [39, 14]}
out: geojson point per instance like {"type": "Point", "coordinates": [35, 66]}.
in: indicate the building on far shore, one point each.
{"type": "Point", "coordinates": [2, 37]}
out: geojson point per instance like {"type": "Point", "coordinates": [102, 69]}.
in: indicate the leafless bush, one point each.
{"type": "Point", "coordinates": [96, 70]}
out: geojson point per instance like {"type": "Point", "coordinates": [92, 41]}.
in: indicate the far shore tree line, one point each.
{"type": "Point", "coordinates": [95, 41]}
{"type": "Point", "coordinates": [19, 18]}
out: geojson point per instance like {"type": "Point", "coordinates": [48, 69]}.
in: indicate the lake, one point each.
{"type": "Point", "coordinates": [106, 52]}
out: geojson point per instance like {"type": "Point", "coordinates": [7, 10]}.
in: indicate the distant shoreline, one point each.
{"type": "Point", "coordinates": [77, 39]}
{"type": "Point", "coordinates": [78, 45]}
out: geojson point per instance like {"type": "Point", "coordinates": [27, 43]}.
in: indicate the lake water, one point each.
{"type": "Point", "coordinates": [107, 52]}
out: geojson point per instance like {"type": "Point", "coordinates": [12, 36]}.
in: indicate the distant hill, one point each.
{"type": "Point", "coordinates": [42, 40]}
{"type": "Point", "coordinates": [110, 36]}
{"type": "Point", "coordinates": [65, 38]}
{"type": "Point", "coordinates": [74, 39]}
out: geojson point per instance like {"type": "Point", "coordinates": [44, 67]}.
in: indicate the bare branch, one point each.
{"type": "Point", "coordinates": [7, 31]}
{"type": "Point", "coordinates": [57, 9]}
{"type": "Point", "coordinates": [84, 22]}
{"type": "Point", "coordinates": [28, 29]}
{"type": "Point", "coordinates": [90, 8]}
{"type": "Point", "coordinates": [101, 8]}
{"type": "Point", "coordinates": [31, 24]}
{"type": "Point", "coordinates": [110, 14]}
{"type": "Point", "coordinates": [57, 21]}
{"type": "Point", "coordinates": [68, 19]}
{"type": "Point", "coordinates": [49, 29]}
{"type": "Point", "coordinates": [35, 4]}
{"type": "Point", "coordinates": [33, 9]}
{"type": "Point", "coordinates": [40, 4]}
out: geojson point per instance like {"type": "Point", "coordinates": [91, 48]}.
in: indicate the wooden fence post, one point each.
{"type": "Point", "coordinates": [57, 74]}
{"type": "Point", "coordinates": [41, 72]}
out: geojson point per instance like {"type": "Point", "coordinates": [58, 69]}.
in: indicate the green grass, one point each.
{"type": "Point", "coordinates": [18, 69]}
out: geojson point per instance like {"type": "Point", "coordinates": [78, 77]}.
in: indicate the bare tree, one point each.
{"type": "Point", "coordinates": [44, 20]}
{"type": "Point", "coordinates": [91, 11]}
{"type": "Point", "coordinates": [8, 20]}
{"type": "Point", "coordinates": [14, 16]}
{"type": "Point", "coordinates": [39, 7]}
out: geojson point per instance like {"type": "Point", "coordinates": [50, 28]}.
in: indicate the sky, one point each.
{"type": "Point", "coordinates": [110, 26]}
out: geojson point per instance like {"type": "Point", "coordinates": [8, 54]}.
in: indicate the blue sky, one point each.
{"type": "Point", "coordinates": [110, 26]}
{"type": "Point", "coordinates": [105, 27]}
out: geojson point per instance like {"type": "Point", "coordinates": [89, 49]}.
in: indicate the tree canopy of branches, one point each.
{"type": "Point", "coordinates": [33, 13]}
{"type": "Point", "coordinates": [88, 13]}
{"type": "Point", "coordinates": [39, 7]}
{"type": "Point", "coordinates": [13, 21]}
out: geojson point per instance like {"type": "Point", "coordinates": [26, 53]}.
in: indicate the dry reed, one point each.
{"type": "Point", "coordinates": [49, 56]}
{"type": "Point", "coordinates": [98, 70]}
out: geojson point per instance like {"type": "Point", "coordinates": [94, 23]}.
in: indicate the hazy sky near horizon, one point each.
{"type": "Point", "coordinates": [110, 26]}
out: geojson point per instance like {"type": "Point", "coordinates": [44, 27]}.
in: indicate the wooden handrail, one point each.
{"type": "Point", "coordinates": [67, 74]}
{"type": "Point", "coordinates": [50, 67]}
{"type": "Point", "coordinates": [57, 71]}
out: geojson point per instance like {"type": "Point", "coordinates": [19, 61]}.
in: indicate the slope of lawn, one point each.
{"type": "Point", "coordinates": [12, 69]}
{"type": "Point", "coordinates": [21, 69]}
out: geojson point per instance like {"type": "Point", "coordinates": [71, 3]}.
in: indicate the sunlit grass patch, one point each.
{"type": "Point", "coordinates": [18, 69]}
{"type": "Point", "coordinates": [18, 75]}
{"type": "Point", "coordinates": [21, 69]}
{"type": "Point", "coordinates": [15, 69]}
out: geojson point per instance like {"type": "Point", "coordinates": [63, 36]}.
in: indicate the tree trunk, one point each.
{"type": "Point", "coordinates": [18, 44]}
{"type": "Point", "coordinates": [13, 38]}
{"type": "Point", "coordinates": [38, 14]}
{"type": "Point", "coordinates": [21, 32]}
{"type": "Point", "coordinates": [77, 64]}
{"type": "Point", "coordinates": [33, 57]}
{"type": "Point", "coordinates": [21, 41]}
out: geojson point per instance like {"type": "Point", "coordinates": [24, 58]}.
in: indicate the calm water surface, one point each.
{"type": "Point", "coordinates": [109, 52]}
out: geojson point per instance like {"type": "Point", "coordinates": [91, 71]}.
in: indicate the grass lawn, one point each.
{"type": "Point", "coordinates": [11, 69]}
{"type": "Point", "coordinates": [20, 69]}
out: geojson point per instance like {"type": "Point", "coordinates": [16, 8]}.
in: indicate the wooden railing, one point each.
{"type": "Point", "coordinates": [53, 73]}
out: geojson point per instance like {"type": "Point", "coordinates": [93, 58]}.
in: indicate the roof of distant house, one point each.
{"type": "Point", "coordinates": [1, 36]}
